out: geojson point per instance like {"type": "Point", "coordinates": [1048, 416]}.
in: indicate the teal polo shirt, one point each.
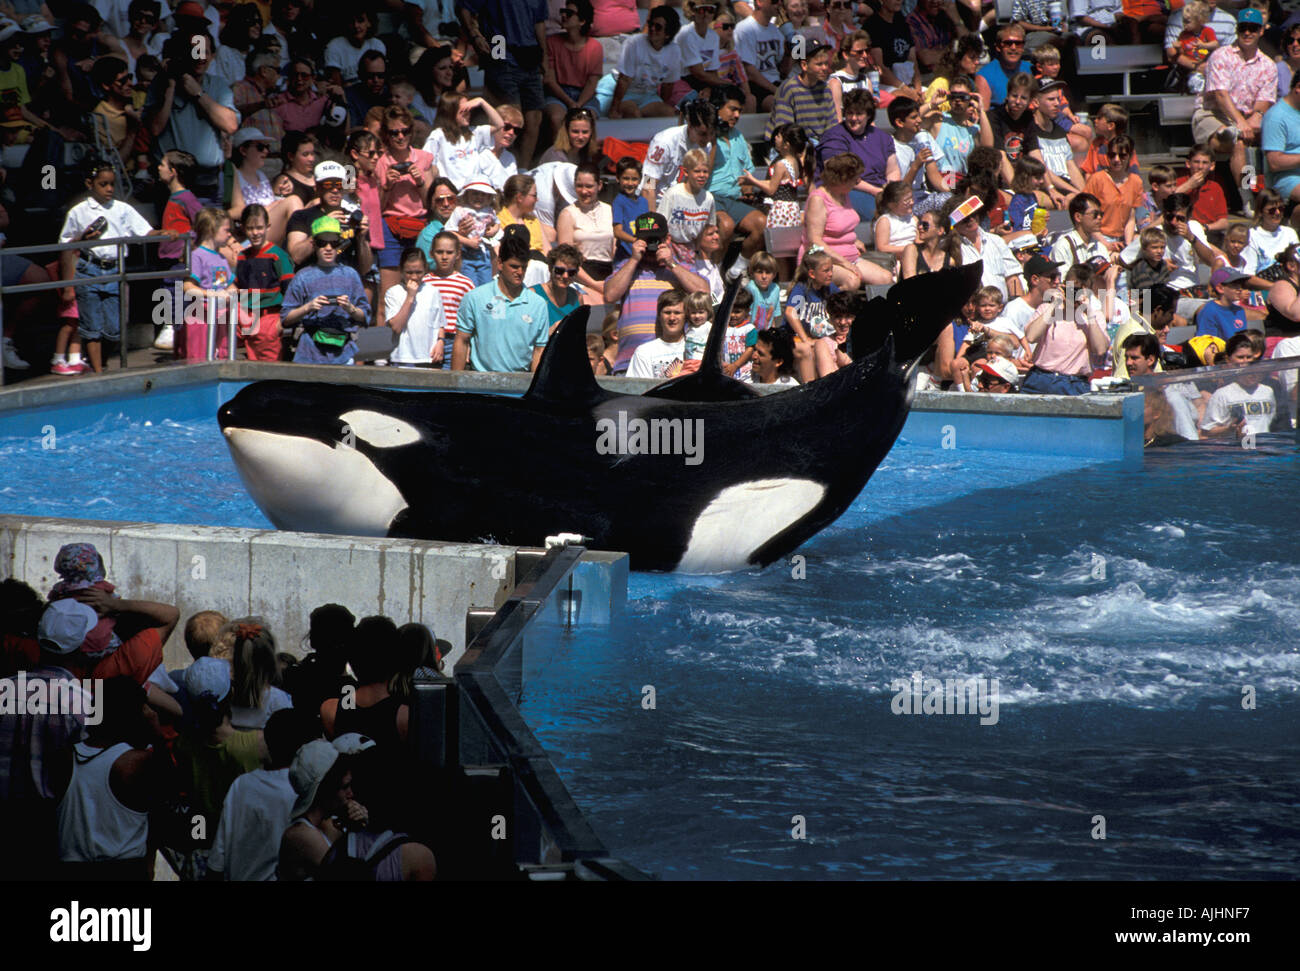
{"type": "Point", "coordinates": [732, 159]}
{"type": "Point", "coordinates": [502, 332]}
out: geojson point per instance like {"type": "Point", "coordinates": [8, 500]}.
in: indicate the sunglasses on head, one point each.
{"type": "Point", "coordinates": [444, 199]}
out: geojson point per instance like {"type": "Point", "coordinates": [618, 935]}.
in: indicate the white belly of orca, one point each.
{"type": "Point", "coordinates": [305, 485]}
{"type": "Point", "coordinates": [742, 518]}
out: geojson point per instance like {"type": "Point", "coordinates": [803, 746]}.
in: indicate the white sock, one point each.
{"type": "Point", "coordinates": [59, 359]}
{"type": "Point", "coordinates": [74, 358]}
{"type": "Point", "coordinates": [739, 267]}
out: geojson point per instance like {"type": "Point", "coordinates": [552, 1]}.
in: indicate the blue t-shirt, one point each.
{"type": "Point", "coordinates": [1020, 214]}
{"type": "Point", "coordinates": [766, 309]}
{"type": "Point", "coordinates": [810, 307]}
{"type": "Point", "coordinates": [1217, 321]}
{"type": "Point", "coordinates": [1281, 133]}
{"type": "Point", "coordinates": [557, 314]}
{"type": "Point", "coordinates": [626, 208]}
{"type": "Point", "coordinates": [997, 77]}
{"type": "Point", "coordinates": [955, 142]}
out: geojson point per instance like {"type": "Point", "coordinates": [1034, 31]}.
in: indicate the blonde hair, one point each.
{"type": "Point", "coordinates": [1002, 344]}
{"type": "Point", "coordinates": [1196, 11]}
{"type": "Point", "coordinates": [207, 221]}
{"type": "Point", "coordinates": [1154, 234]}
{"type": "Point", "coordinates": [695, 158]}
{"type": "Point", "coordinates": [1047, 54]}
{"type": "Point", "coordinates": [988, 295]}
{"type": "Point", "coordinates": [696, 302]}
{"type": "Point", "coordinates": [255, 667]}
{"type": "Point", "coordinates": [201, 632]}
{"type": "Point", "coordinates": [812, 261]}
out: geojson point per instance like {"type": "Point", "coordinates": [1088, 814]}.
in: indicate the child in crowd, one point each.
{"type": "Point", "coordinates": [896, 226]}
{"type": "Point", "coordinates": [1110, 121]}
{"type": "Point", "coordinates": [699, 318]}
{"type": "Point", "coordinates": [67, 345]}
{"type": "Point", "coordinates": [210, 288]}
{"type": "Point", "coordinates": [479, 201]}
{"type": "Point", "coordinates": [688, 206]}
{"type": "Point", "coordinates": [738, 348]}
{"type": "Point", "coordinates": [773, 358]}
{"type": "Point", "coordinates": [609, 336]}
{"type": "Point", "coordinates": [665, 356]}
{"type": "Point", "coordinates": [327, 299]}
{"type": "Point", "coordinates": [627, 204]}
{"type": "Point", "coordinates": [100, 216]}
{"type": "Point", "coordinates": [413, 309]}
{"type": "Point", "coordinates": [1193, 46]}
{"type": "Point", "coordinates": [1209, 204]}
{"type": "Point", "coordinates": [1245, 405]}
{"type": "Point", "coordinates": [1119, 190]}
{"type": "Point", "coordinates": [80, 567]}
{"type": "Point", "coordinates": [1223, 316]}
{"type": "Point", "coordinates": [764, 291]}
{"type": "Point", "coordinates": [805, 309]}
{"type": "Point", "coordinates": [263, 270]}
{"type": "Point", "coordinates": [1047, 67]}
{"type": "Point", "coordinates": [596, 355]}
{"type": "Point", "coordinates": [1239, 256]}
{"type": "Point", "coordinates": [1151, 268]}
{"type": "Point", "coordinates": [1148, 212]}
{"type": "Point", "coordinates": [1027, 213]}
{"type": "Point", "coordinates": [836, 350]}
{"type": "Point", "coordinates": [785, 176]}
{"type": "Point", "coordinates": [731, 69]}
{"type": "Point", "coordinates": [452, 285]}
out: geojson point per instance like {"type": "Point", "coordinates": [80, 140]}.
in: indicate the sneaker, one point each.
{"type": "Point", "coordinates": [11, 358]}
{"type": "Point", "coordinates": [63, 367]}
{"type": "Point", "coordinates": [165, 341]}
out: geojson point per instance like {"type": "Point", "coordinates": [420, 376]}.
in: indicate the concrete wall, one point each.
{"type": "Point", "coordinates": [280, 576]}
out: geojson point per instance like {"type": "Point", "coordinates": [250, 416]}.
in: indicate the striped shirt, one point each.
{"type": "Point", "coordinates": [267, 271]}
{"type": "Point", "coordinates": [809, 108]}
{"type": "Point", "coordinates": [636, 324]}
{"type": "Point", "coordinates": [453, 288]}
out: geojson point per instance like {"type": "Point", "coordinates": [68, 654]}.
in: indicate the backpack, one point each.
{"type": "Point", "coordinates": [346, 863]}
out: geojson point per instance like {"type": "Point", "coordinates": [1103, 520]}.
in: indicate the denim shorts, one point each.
{"type": "Point", "coordinates": [97, 304]}
{"type": "Point", "coordinates": [390, 257]}
{"type": "Point", "coordinates": [514, 84]}
{"type": "Point", "coordinates": [593, 105]}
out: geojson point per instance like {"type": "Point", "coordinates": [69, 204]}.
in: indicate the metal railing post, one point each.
{"type": "Point", "coordinates": [210, 315]}
{"type": "Point", "coordinates": [123, 306]}
{"type": "Point", "coordinates": [233, 318]}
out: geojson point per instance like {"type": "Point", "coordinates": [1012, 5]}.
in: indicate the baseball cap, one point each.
{"type": "Point", "coordinates": [8, 29]}
{"type": "Point", "coordinates": [1250, 16]}
{"type": "Point", "coordinates": [1051, 84]}
{"type": "Point", "coordinates": [309, 767]}
{"type": "Point", "coordinates": [208, 676]}
{"type": "Point", "coordinates": [1001, 368]}
{"type": "Point", "coordinates": [330, 170]}
{"type": "Point", "coordinates": [1023, 241]}
{"type": "Point", "coordinates": [1041, 266]}
{"type": "Point", "coordinates": [64, 625]}
{"type": "Point", "coordinates": [326, 226]}
{"type": "Point", "coordinates": [1225, 275]}
{"type": "Point", "coordinates": [478, 185]}
{"type": "Point", "coordinates": [353, 743]}
{"type": "Point", "coordinates": [650, 226]}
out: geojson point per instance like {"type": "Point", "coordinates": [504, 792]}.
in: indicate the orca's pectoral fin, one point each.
{"type": "Point", "coordinates": [709, 383]}
{"type": "Point", "coordinates": [564, 374]}
{"type": "Point", "coordinates": [915, 311]}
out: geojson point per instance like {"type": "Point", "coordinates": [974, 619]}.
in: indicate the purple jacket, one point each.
{"type": "Point", "coordinates": [874, 148]}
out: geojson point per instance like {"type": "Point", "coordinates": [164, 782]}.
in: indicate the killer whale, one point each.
{"type": "Point", "coordinates": [570, 456]}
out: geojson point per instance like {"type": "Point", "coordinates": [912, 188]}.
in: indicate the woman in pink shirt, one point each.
{"type": "Point", "coordinates": [831, 224]}
{"type": "Point", "coordinates": [615, 17]}
{"type": "Point", "coordinates": [1068, 344]}
{"type": "Point", "coordinates": [575, 65]}
{"type": "Point", "coordinates": [404, 175]}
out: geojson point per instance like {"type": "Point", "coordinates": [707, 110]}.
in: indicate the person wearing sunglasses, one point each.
{"type": "Point", "coordinates": [111, 74]}
{"type": "Point", "coordinates": [327, 299]}
{"type": "Point", "coordinates": [1240, 85]}
{"type": "Point", "coordinates": [576, 64]}
{"type": "Point", "coordinates": [256, 97]}
{"type": "Point", "coordinates": [701, 51]}
{"type": "Point", "coordinates": [371, 90]}
{"type": "Point", "coordinates": [559, 292]}
{"type": "Point", "coordinates": [249, 150]}
{"type": "Point", "coordinates": [1268, 237]}
{"type": "Point", "coordinates": [648, 69]}
{"type": "Point", "coordinates": [304, 105]}
{"type": "Point", "coordinates": [762, 50]}
{"type": "Point", "coordinates": [1008, 59]}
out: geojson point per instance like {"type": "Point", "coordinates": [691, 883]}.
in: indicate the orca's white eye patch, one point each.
{"type": "Point", "coordinates": [381, 431]}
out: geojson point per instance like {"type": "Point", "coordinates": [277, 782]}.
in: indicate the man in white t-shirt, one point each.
{"type": "Point", "coordinates": [663, 159]}
{"type": "Point", "coordinates": [700, 51]}
{"type": "Point", "coordinates": [761, 47]}
{"type": "Point", "coordinates": [1243, 406]}
{"type": "Point", "coordinates": [343, 53]}
{"type": "Point", "coordinates": [1042, 275]}
{"type": "Point", "coordinates": [665, 356]}
{"type": "Point", "coordinates": [1001, 269]}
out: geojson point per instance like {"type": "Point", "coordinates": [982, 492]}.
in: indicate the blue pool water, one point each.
{"type": "Point", "coordinates": [1120, 696]}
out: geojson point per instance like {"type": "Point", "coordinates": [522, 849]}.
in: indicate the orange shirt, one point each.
{"type": "Point", "coordinates": [1117, 201]}
{"type": "Point", "coordinates": [1095, 160]}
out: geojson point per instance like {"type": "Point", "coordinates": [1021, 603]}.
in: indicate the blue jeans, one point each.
{"type": "Point", "coordinates": [97, 305]}
{"type": "Point", "coordinates": [1048, 382]}
{"type": "Point", "coordinates": [863, 203]}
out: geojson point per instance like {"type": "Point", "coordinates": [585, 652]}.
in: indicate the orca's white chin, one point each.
{"type": "Point", "coordinates": [741, 518]}
{"type": "Point", "coordinates": [305, 485]}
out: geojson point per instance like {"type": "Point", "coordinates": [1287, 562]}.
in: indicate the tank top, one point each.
{"type": "Point", "coordinates": [259, 194]}
{"type": "Point", "coordinates": [593, 232]}
{"type": "Point", "coordinates": [94, 826]}
{"type": "Point", "coordinates": [304, 192]}
{"type": "Point", "coordinates": [923, 267]}
{"type": "Point", "coordinates": [840, 235]}
{"type": "Point", "coordinates": [379, 721]}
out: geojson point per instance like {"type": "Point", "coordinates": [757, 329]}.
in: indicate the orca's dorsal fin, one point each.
{"type": "Point", "coordinates": [564, 373]}
{"type": "Point", "coordinates": [915, 311]}
{"type": "Point", "coordinates": [709, 383]}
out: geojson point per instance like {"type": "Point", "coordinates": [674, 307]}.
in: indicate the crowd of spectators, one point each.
{"type": "Point", "coordinates": [247, 764]}
{"type": "Point", "coordinates": [337, 166]}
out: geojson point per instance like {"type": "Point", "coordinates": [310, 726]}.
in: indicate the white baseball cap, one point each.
{"type": "Point", "coordinates": [248, 135]}
{"type": "Point", "coordinates": [330, 170]}
{"type": "Point", "coordinates": [208, 676]}
{"type": "Point", "coordinates": [64, 625]}
{"type": "Point", "coordinates": [309, 767]}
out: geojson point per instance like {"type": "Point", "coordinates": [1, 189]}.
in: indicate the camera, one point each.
{"type": "Point", "coordinates": [402, 167]}
{"type": "Point", "coordinates": [354, 219]}
{"type": "Point", "coordinates": [98, 226]}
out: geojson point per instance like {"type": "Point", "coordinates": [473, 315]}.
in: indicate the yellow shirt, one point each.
{"type": "Point", "coordinates": [534, 225]}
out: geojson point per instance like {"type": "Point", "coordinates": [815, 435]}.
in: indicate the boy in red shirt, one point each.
{"type": "Point", "coordinates": [1209, 206]}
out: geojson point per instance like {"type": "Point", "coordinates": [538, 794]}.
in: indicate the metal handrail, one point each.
{"type": "Point", "coordinates": [119, 277]}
